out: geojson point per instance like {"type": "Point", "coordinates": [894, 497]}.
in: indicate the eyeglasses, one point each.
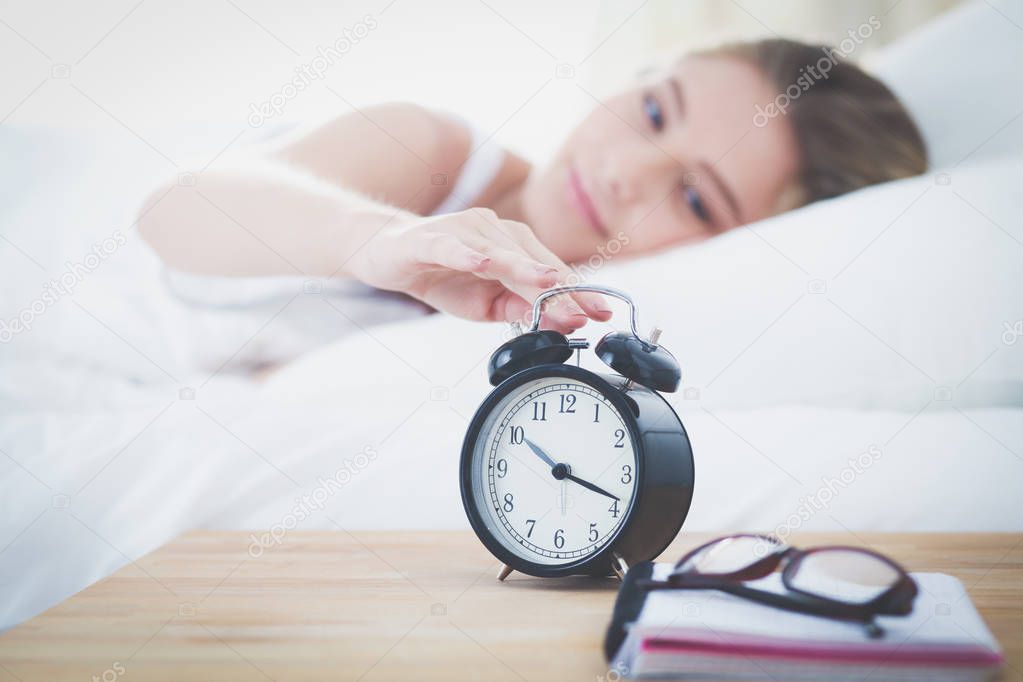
{"type": "Point", "coordinates": [843, 583]}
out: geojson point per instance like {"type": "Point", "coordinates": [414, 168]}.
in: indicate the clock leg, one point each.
{"type": "Point", "coordinates": [619, 566]}
{"type": "Point", "coordinates": [505, 572]}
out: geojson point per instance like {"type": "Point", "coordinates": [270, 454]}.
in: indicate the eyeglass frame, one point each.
{"type": "Point", "coordinates": [897, 600]}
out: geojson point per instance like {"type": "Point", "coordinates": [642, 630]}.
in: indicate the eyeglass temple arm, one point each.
{"type": "Point", "coordinates": [791, 601]}
{"type": "Point", "coordinates": [802, 603]}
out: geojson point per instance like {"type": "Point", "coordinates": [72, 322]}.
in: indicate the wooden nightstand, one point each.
{"type": "Point", "coordinates": [395, 605]}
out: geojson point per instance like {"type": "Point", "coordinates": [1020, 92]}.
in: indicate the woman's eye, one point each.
{"type": "Point", "coordinates": [653, 111]}
{"type": "Point", "coordinates": [695, 202]}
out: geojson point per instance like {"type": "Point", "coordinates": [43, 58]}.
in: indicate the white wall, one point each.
{"type": "Point", "coordinates": [153, 65]}
{"type": "Point", "coordinates": [143, 69]}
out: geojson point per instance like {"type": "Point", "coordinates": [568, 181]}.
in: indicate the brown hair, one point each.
{"type": "Point", "coordinates": [852, 131]}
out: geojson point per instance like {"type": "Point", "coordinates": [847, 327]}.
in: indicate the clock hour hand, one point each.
{"type": "Point", "coordinates": [594, 488]}
{"type": "Point", "coordinates": [539, 452]}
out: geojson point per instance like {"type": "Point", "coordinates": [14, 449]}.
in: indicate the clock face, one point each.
{"type": "Point", "coordinates": [554, 471]}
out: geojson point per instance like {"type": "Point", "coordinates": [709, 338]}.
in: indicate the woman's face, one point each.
{"type": "Point", "coordinates": [675, 159]}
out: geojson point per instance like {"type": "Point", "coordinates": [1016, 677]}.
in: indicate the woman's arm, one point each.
{"type": "Point", "coordinates": [262, 218]}
{"type": "Point", "coordinates": [304, 210]}
{"type": "Point", "coordinates": [304, 206]}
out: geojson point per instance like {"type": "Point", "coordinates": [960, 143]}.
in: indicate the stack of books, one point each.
{"type": "Point", "coordinates": [706, 633]}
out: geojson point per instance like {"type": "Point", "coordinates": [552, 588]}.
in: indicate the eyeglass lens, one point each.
{"type": "Point", "coordinates": [730, 555]}
{"type": "Point", "coordinates": [844, 575]}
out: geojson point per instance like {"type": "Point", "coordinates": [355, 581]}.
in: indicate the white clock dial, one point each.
{"type": "Point", "coordinates": [554, 471]}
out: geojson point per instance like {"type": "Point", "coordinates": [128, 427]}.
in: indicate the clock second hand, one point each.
{"type": "Point", "coordinates": [565, 472]}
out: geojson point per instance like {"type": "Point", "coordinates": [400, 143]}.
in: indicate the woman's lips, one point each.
{"type": "Point", "coordinates": [580, 199]}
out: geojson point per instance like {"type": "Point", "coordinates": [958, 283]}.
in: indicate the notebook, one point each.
{"type": "Point", "coordinates": [706, 633]}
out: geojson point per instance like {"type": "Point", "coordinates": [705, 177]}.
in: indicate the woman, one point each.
{"type": "Point", "coordinates": [396, 197]}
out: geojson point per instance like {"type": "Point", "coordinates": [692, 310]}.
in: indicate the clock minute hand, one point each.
{"type": "Point", "coordinates": [563, 471]}
{"type": "Point", "coordinates": [594, 488]}
{"type": "Point", "coordinates": [539, 452]}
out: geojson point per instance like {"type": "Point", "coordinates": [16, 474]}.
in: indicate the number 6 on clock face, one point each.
{"type": "Point", "coordinates": [557, 470]}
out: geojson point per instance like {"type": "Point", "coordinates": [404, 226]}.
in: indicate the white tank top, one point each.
{"type": "Point", "coordinates": [480, 168]}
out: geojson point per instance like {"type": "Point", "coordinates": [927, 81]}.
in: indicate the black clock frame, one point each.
{"type": "Point", "coordinates": [664, 474]}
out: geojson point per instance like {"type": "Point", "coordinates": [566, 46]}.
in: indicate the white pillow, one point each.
{"type": "Point", "coordinates": [918, 281]}
{"type": "Point", "coordinates": [891, 296]}
{"type": "Point", "coordinates": [959, 76]}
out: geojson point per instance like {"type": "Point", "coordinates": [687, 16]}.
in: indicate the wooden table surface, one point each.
{"type": "Point", "coordinates": [395, 606]}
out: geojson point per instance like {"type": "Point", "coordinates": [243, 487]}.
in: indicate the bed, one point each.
{"type": "Point", "coordinates": [855, 365]}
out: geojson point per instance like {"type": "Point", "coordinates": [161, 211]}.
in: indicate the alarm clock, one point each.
{"type": "Point", "coordinates": [565, 471]}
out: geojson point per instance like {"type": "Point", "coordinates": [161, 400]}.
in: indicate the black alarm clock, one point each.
{"type": "Point", "coordinates": [565, 471]}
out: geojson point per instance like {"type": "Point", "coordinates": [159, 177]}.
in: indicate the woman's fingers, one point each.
{"type": "Point", "coordinates": [516, 268]}
{"type": "Point", "coordinates": [507, 252]}
{"type": "Point", "coordinates": [526, 278]}
{"type": "Point", "coordinates": [594, 305]}
{"type": "Point", "coordinates": [448, 251]}
{"type": "Point", "coordinates": [511, 307]}
{"type": "Point", "coordinates": [522, 276]}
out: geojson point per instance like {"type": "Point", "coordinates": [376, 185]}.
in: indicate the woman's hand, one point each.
{"type": "Point", "coordinates": [474, 265]}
